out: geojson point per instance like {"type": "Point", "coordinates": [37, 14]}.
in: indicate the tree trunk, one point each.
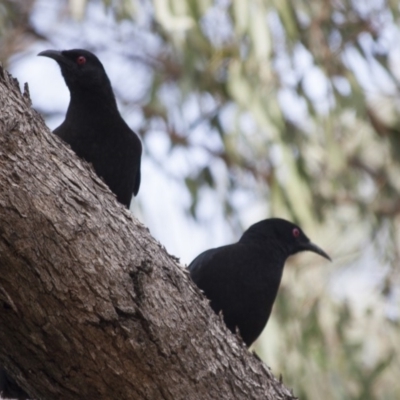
{"type": "Point", "coordinates": [91, 306]}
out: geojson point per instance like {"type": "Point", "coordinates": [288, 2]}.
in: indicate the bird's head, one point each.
{"type": "Point", "coordinates": [81, 69]}
{"type": "Point", "coordinates": [284, 234]}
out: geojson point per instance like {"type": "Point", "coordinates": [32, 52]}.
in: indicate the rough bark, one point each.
{"type": "Point", "coordinates": [91, 306]}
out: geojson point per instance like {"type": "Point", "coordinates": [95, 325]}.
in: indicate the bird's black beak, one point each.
{"type": "Point", "coordinates": [310, 246]}
{"type": "Point", "coordinates": [54, 54]}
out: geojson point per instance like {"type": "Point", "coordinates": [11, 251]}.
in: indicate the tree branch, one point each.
{"type": "Point", "coordinates": [91, 306]}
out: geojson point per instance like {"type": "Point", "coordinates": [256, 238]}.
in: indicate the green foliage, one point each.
{"type": "Point", "coordinates": [16, 32]}
{"type": "Point", "coordinates": [326, 157]}
{"type": "Point", "coordinates": [329, 349]}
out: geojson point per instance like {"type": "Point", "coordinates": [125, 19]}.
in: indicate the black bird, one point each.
{"type": "Point", "coordinates": [95, 130]}
{"type": "Point", "coordinates": [93, 126]}
{"type": "Point", "coordinates": [242, 279]}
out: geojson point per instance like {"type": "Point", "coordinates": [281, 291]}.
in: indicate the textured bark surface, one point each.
{"type": "Point", "coordinates": [91, 306]}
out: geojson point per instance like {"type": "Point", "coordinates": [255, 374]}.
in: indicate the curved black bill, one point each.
{"type": "Point", "coordinates": [54, 54]}
{"type": "Point", "coordinates": [310, 246]}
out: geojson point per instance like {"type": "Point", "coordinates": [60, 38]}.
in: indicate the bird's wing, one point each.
{"type": "Point", "coordinates": [239, 281]}
{"type": "Point", "coordinates": [137, 182]}
{"type": "Point", "coordinates": [202, 260]}
{"type": "Point", "coordinates": [224, 262]}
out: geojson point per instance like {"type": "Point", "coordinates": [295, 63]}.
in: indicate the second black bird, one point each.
{"type": "Point", "coordinates": [93, 126]}
{"type": "Point", "coordinates": [242, 279]}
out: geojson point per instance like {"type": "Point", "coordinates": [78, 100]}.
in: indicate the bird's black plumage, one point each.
{"type": "Point", "coordinates": [95, 130]}
{"type": "Point", "coordinates": [93, 126]}
{"type": "Point", "coordinates": [242, 279]}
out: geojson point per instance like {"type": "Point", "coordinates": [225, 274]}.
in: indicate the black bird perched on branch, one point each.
{"type": "Point", "coordinates": [93, 126]}
{"type": "Point", "coordinates": [242, 279]}
{"type": "Point", "coordinates": [95, 130]}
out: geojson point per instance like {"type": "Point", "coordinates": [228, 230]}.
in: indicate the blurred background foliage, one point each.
{"type": "Point", "coordinates": [269, 108]}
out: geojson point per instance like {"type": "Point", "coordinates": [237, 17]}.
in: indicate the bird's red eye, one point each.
{"type": "Point", "coordinates": [81, 60]}
{"type": "Point", "coordinates": [296, 232]}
